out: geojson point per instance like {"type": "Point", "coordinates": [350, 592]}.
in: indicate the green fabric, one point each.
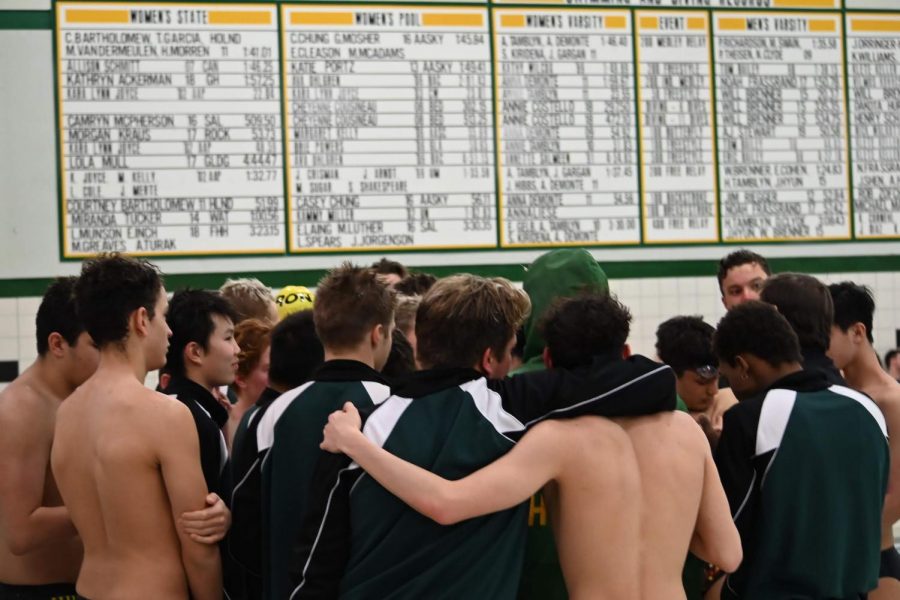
{"type": "Point", "coordinates": [680, 404]}
{"type": "Point", "coordinates": [557, 274]}
{"type": "Point", "coordinates": [289, 468]}
{"type": "Point", "coordinates": [542, 577]}
{"type": "Point", "coordinates": [396, 553]}
{"type": "Point", "coordinates": [818, 525]}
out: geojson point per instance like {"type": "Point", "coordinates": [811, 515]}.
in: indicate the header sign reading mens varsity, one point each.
{"type": "Point", "coordinates": [217, 129]}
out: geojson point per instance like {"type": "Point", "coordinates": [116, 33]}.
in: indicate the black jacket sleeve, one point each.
{"type": "Point", "coordinates": [320, 553]}
{"type": "Point", "coordinates": [618, 388]}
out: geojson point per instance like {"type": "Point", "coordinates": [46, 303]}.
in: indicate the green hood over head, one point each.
{"type": "Point", "coordinates": [557, 274]}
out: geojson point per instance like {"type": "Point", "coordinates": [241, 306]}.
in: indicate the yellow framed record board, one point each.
{"type": "Point", "coordinates": [188, 129]}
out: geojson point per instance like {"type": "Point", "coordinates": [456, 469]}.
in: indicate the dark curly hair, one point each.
{"type": "Point", "coordinates": [110, 288]}
{"type": "Point", "coordinates": [685, 343]}
{"type": "Point", "coordinates": [759, 329]}
{"type": "Point", "coordinates": [577, 329]}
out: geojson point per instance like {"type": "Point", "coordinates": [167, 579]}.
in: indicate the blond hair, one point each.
{"type": "Point", "coordinates": [250, 299]}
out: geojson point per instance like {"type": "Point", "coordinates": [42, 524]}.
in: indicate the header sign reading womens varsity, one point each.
{"type": "Point", "coordinates": [192, 129]}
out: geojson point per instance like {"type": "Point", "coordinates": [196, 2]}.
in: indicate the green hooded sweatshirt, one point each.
{"type": "Point", "coordinates": [557, 274]}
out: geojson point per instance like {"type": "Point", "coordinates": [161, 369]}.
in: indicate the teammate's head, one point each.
{"type": "Point", "coordinates": [805, 303]}
{"type": "Point", "coordinates": [560, 273]}
{"type": "Point", "coordinates": [754, 343]}
{"type": "Point", "coordinates": [405, 316]}
{"type": "Point", "coordinates": [470, 321]}
{"type": "Point", "coordinates": [892, 363]}
{"type": "Point", "coordinates": [401, 361]}
{"type": "Point", "coordinates": [293, 298]}
{"type": "Point", "coordinates": [390, 272]}
{"type": "Point", "coordinates": [741, 276]}
{"type": "Point", "coordinates": [354, 312]}
{"type": "Point", "coordinates": [415, 284]}
{"type": "Point", "coordinates": [121, 300]}
{"type": "Point", "coordinates": [685, 344]}
{"type": "Point", "coordinates": [851, 332]}
{"type": "Point", "coordinates": [252, 377]}
{"type": "Point", "coordinates": [250, 299]}
{"type": "Point", "coordinates": [295, 353]}
{"type": "Point", "coordinates": [579, 328]}
{"type": "Point", "coordinates": [61, 333]}
{"type": "Point", "coordinates": [203, 347]}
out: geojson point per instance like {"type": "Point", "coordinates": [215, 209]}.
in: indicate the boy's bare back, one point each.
{"type": "Point", "coordinates": [27, 418]}
{"type": "Point", "coordinates": [127, 463]}
{"type": "Point", "coordinates": [594, 502]}
{"type": "Point", "coordinates": [681, 495]}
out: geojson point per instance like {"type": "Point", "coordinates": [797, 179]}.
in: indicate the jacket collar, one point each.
{"type": "Point", "coordinates": [347, 370]}
{"type": "Point", "coordinates": [187, 389]}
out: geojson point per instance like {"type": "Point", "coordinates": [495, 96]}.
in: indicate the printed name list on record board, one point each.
{"type": "Point", "coordinates": [567, 157]}
{"type": "Point", "coordinates": [390, 127]}
{"type": "Point", "coordinates": [170, 128]}
{"type": "Point", "coordinates": [782, 126]}
{"type": "Point", "coordinates": [676, 126]}
{"type": "Point", "coordinates": [873, 42]}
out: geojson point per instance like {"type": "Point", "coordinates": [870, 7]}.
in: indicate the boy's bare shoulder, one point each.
{"type": "Point", "coordinates": [168, 407]}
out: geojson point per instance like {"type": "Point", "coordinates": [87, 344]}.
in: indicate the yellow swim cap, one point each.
{"type": "Point", "coordinates": [293, 298]}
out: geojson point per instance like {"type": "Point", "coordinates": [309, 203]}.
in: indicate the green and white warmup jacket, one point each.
{"type": "Point", "coordinates": [805, 468]}
{"type": "Point", "coordinates": [361, 542]}
{"type": "Point", "coordinates": [287, 442]}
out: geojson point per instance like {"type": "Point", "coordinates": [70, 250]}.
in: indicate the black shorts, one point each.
{"type": "Point", "coordinates": [890, 564]}
{"type": "Point", "coordinates": [53, 591]}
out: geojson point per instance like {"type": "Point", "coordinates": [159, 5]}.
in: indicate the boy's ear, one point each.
{"type": "Point", "coordinates": [193, 353]}
{"type": "Point", "coordinates": [548, 360]}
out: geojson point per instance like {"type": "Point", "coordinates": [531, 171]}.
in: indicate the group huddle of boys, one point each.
{"type": "Point", "coordinates": [629, 482]}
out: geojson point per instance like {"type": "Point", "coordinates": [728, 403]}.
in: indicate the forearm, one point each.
{"type": "Point", "coordinates": [45, 525]}
{"type": "Point", "coordinates": [634, 387]}
{"type": "Point", "coordinates": [203, 568]}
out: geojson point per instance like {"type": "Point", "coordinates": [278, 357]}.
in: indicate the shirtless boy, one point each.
{"type": "Point", "coordinates": [39, 549]}
{"type": "Point", "coordinates": [852, 352]}
{"type": "Point", "coordinates": [620, 496]}
{"type": "Point", "coordinates": [126, 458]}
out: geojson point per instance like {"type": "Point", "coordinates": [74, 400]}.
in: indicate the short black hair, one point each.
{"type": "Point", "coordinates": [756, 328]}
{"type": "Point", "coordinates": [805, 303]}
{"type": "Point", "coordinates": [518, 351]}
{"type": "Point", "coordinates": [296, 350]}
{"type": "Point", "coordinates": [389, 267]}
{"type": "Point", "coordinates": [738, 258]}
{"type": "Point", "coordinates": [685, 343]}
{"type": "Point", "coordinates": [57, 313]}
{"type": "Point", "coordinates": [110, 288]}
{"type": "Point", "coordinates": [889, 356]}
{"type": "Point", "coordinates": [415, 284]}
{"type": "Point", "coordinates": [401, 360]}
{"type": "Point", "coordinates": [191, 320]}
{"type": "Point", "coordinates": [578, 328]}
{"type": "Point", "coordinates": [853, 304]}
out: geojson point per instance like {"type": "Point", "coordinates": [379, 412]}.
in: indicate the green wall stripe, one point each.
{"type": "Point", "coordinates": [13, 288]}
{"type": "Point", "coordinates": [26, 19]}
